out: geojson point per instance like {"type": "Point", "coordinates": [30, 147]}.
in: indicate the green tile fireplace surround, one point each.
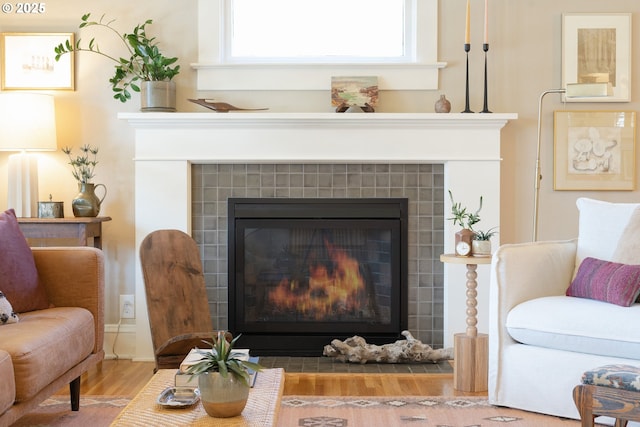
{"type": "Point", "coordinates": [422, 184]}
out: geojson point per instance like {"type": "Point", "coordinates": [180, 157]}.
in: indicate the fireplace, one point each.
{"type": "Point", "coordinates": [464, 144]}
{"type": "Point", "coordinates": [305, 271]}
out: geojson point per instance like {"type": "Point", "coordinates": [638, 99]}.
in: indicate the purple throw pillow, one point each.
{"type": "Point", "coordinates": [18, 275]}
{"type": "Point", "coordinates": [607, 281]}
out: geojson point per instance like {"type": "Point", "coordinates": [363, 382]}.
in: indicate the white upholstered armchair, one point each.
{"type": "Point", "coordinates": [540, 340]}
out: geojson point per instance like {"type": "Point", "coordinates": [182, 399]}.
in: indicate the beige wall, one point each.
{"type": "Point", "coordinates": [524, 60]}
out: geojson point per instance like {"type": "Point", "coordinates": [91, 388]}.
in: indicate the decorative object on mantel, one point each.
{"type": "Point", "coordinates": [222, 107]}
{"type": "Point", "coordinates": [354, 94]}
{"type": "Point", "coordinates": [346, 108]}
{"type": "Point", "coordinates": [86, 203]}
{"type": "Point", "coordinates": [467, 48]}
{"type": "Point", "coordinates": [50, 209]}
{"type": "Point", "coordinates": [442, 105]}
{"type": "Point", "coordinates": [485, 48]}
{"type": "Point", "coordinates": [356, 350]}
{"type": "Point", "coordinates": [460, 216]}
{"type": "Point", "coordinates": [142, 63]}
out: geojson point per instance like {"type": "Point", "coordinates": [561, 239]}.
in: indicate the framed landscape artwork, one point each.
{"type": "Point", "coordinates": [594, 150]}
{"type": "Point", "coordinates": [596, 48]}
{"type": "Point", "coordinates": [354, 90]}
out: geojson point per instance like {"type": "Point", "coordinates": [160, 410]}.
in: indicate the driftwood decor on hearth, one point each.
{"type": "Point", "coordinates": [356, 350]}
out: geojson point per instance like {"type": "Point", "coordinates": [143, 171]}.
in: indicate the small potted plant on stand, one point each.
{"type": "Point", "coordinates": [460, 216]}
{"type": "Point", "coordinates": [223, 379]}
{"type": "Point", "coordinates": [143, 69]}
{"type": "Point", "coordinates": [481, 243]}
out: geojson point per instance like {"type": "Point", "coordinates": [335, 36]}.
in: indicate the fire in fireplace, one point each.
{"type": "Point", "coordinates": [305, 271]}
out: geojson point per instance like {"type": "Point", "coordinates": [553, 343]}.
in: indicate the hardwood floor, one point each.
{"type": "Point", "coordinates": [126, 378]}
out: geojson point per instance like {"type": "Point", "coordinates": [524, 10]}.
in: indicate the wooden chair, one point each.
{"type": "Point", "coordinates": [176, 296]}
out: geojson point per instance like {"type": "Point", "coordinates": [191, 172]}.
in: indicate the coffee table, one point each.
{"type": "Point", "coordinates": [261, 410]}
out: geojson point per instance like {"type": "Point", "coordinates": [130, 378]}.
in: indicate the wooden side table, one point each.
{"type": "Point", "coordinates": [81, 229]}
{"type": "Point", "coordinates": [471, 350]}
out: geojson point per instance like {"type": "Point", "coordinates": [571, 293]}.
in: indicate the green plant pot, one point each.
{"type": "Point", "coordinates": [222, 397]}
{"type": "Point", "coordinates": [158, 96]}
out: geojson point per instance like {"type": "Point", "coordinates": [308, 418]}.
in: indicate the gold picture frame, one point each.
{"type": "Point", "coordinates": [594, 150]}
{"type": "Point", "coordinates": [596, 48]}
{"type": "Point", "coordinates": [28, 62]}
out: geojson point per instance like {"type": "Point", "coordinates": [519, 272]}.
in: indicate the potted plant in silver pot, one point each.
{"type": "Point", "coordinates": [223, 378]}
{"type": "Point", "coordinates": [142, 69]}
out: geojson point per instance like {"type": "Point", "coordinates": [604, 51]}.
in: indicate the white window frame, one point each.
{"type": "Point", "coordinates": [215, 73]}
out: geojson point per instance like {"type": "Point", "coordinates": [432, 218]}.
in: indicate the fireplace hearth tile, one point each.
{"type": "Point", "coordinates": [423, 185]}
{"type": "Point", "coordinates": [329, 365]}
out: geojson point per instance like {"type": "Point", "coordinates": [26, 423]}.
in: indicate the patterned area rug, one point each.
{"type": "Point", "coordinates": [323, 411]}
{"type": "Point", "coordinates": [95, 411]}
{"type": "Point", "coordinates": [319, 411]}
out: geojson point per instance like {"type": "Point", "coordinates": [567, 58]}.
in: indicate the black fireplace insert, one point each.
{"type": "Point", "coordinates": [305, 271]}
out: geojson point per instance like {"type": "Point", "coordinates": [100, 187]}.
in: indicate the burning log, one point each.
{"type": "Point", "coordinates": [356, 350]}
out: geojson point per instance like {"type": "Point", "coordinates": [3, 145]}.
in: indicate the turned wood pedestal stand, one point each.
{"type": "Point", "coordinates": [470, 359]}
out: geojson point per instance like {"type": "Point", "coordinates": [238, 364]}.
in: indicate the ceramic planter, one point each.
{"type": "Point", "coordinates": [222, 397]}
{"type": "Point", "coordinates": [158, 96]}
{"type": "Point", "coordinates": [481, 247]}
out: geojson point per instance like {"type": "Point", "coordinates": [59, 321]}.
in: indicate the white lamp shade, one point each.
{"type": "Point", "coordinates": [27, 121]}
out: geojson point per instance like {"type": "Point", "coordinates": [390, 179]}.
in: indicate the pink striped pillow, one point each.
{"type": "Point", "coordinates": [606, 281]}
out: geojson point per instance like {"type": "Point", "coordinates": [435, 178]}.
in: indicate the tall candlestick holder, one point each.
{"type": "Point", "coordinates": [467, 48]}
{"type": "Point", "coordinates": [485, 47]}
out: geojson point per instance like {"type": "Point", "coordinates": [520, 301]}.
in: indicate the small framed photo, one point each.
{"type": "Point", "coordinates": [596, 48]}
{"type": "Point", "coordinates": [354, 90]}
{"type": "Point", "coordinates": [28, 61]}
{"type": "Point", "coordinates": [594, 150]}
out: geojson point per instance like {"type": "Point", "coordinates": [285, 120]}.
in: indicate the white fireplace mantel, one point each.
{"type": "Point", "coordinates": [166, 144]}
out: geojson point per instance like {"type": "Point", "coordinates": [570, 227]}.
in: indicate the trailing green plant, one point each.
{"type": "Point", "coordinates": [222, 360]}
{"type": "Point", "coordinates": [460, 215]}
{"type": "Point", "coordinates": [83, 164]}
{"type": "Point", "coordinates": [485, 235]}
{"type": "Point", "coordinates": [142, 62]}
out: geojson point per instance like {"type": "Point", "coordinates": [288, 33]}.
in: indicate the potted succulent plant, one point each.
{"type": "Point", "coordinates": [143, 69]}
{"type": "Point", "coordinates": [481, 244]}
{"type": "Point", "coordinates": [460, 216]}
{"type": "Point", "coordinates": [223, 378]}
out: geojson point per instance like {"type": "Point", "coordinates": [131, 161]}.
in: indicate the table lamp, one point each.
{"type": "Point", "coordinates": [28, 124]}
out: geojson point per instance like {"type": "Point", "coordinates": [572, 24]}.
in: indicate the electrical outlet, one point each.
{"type": "Point", "coordinates": [127, 307]}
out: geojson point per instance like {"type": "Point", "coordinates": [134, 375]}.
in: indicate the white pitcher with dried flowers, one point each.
{"type": "Point", "coordinates": [86, 203]}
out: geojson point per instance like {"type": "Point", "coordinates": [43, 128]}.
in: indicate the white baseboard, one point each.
{"type": "Point", "coordinates": [124, 338]}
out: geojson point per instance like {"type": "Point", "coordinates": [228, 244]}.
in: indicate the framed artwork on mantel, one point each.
{"type": "Point", "coordinates": [596, 48]}
{"type": "Point", "coordinates": [594, 150]}
{"type": "Point", "coordinates": [28, 62]}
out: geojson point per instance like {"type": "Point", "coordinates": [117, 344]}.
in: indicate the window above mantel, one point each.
{"type": "Point", "coordinates": [215, 72]}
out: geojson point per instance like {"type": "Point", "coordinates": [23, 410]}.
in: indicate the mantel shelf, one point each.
{"type": "Point", "coordinates": [212, 119]}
